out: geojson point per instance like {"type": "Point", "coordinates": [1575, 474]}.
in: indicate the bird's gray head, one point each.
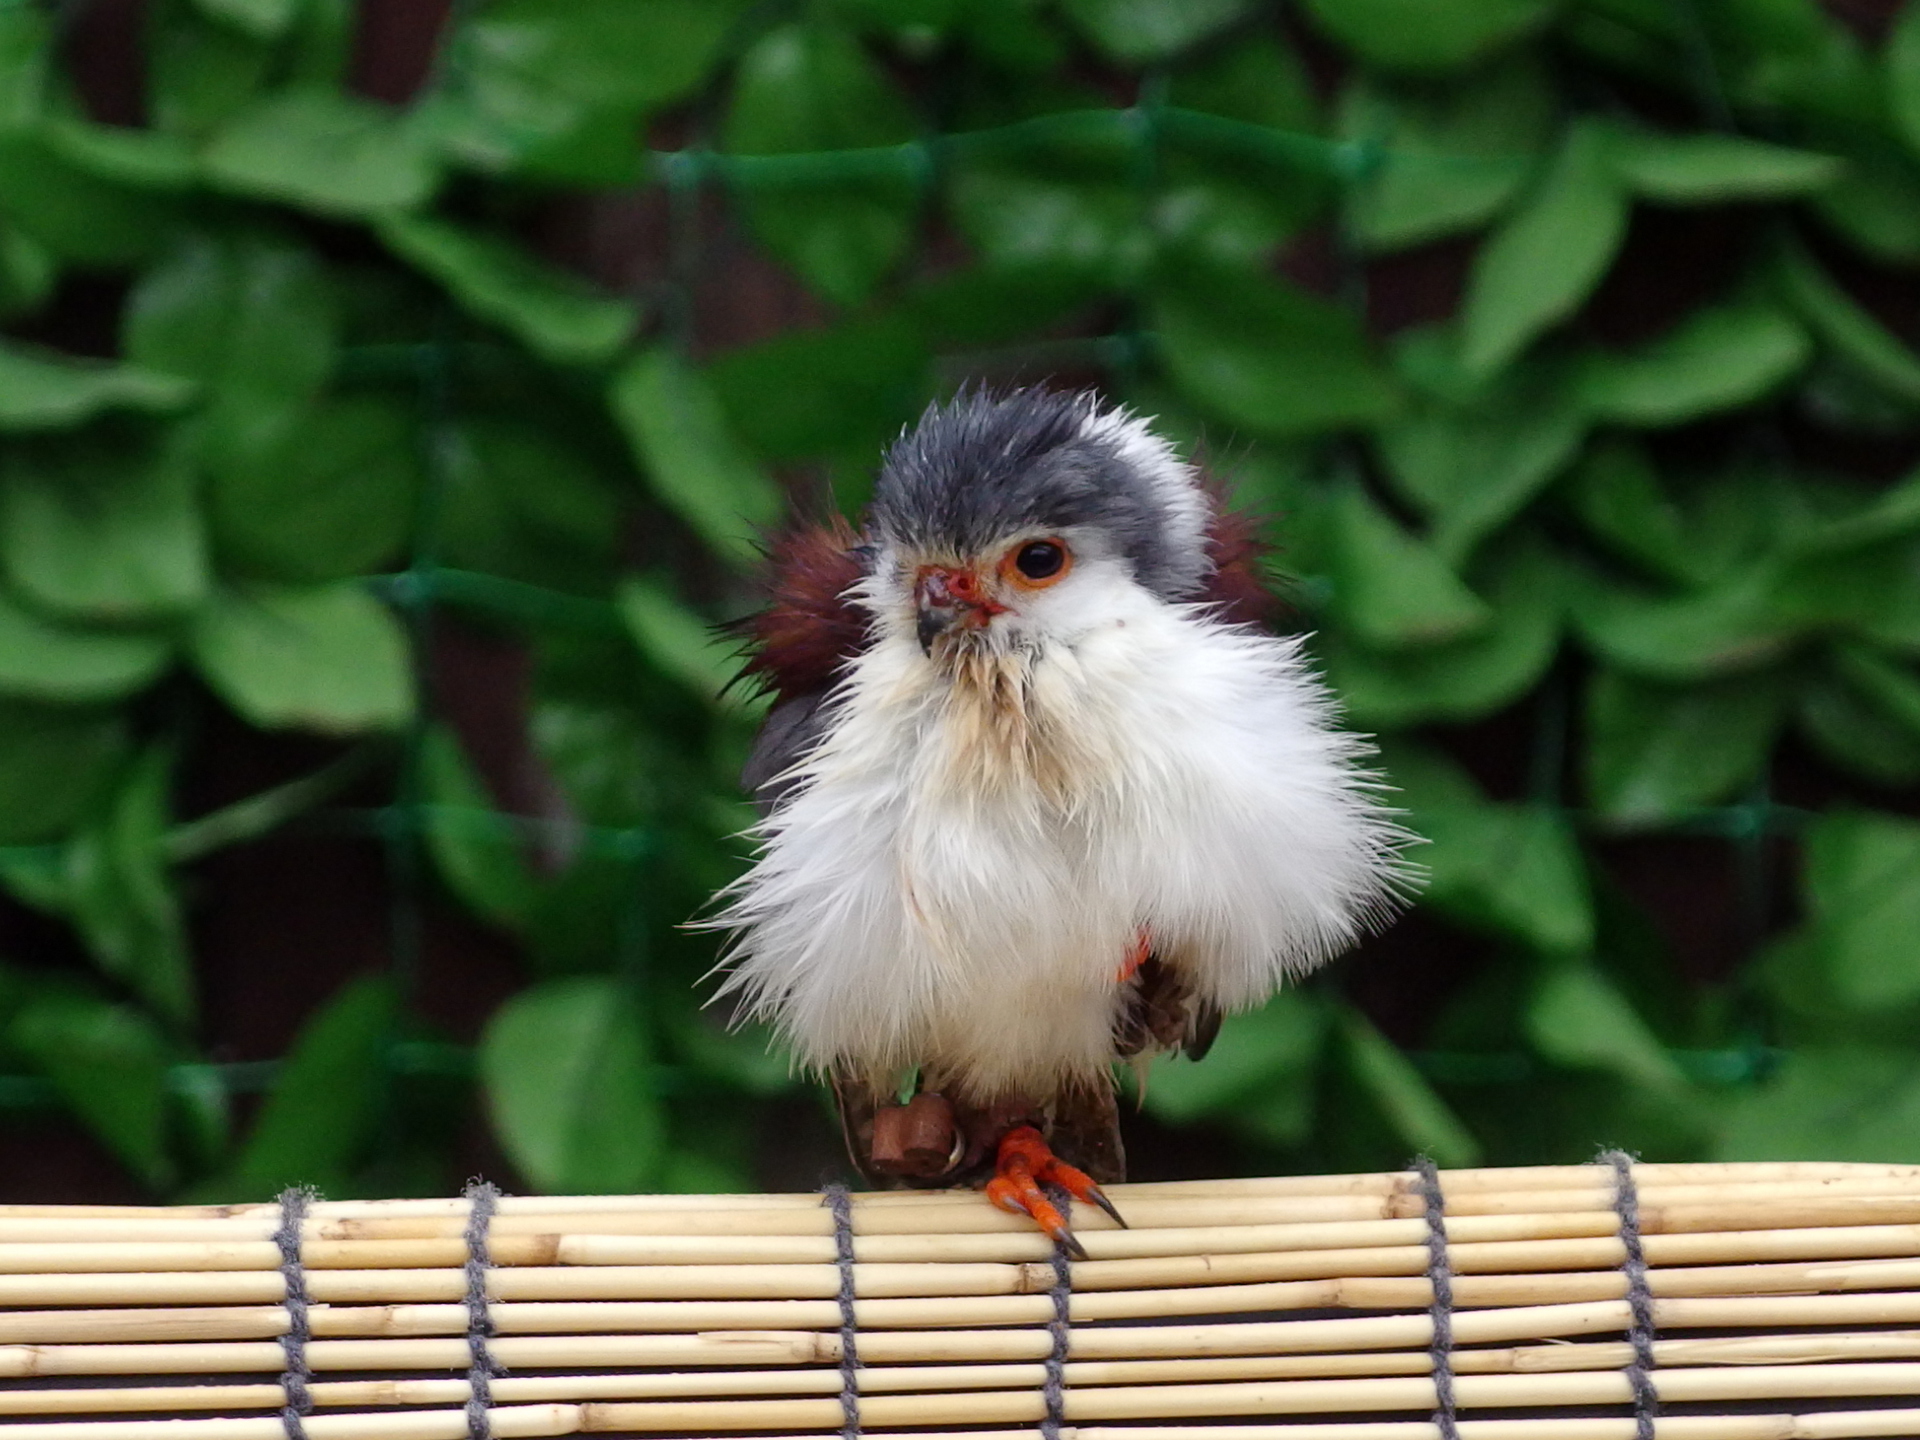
{"type": "Point", "coordinates": [1026, 505]}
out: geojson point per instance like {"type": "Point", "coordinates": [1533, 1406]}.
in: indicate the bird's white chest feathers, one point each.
{"type": "Point", "coordinates": [966, 863]}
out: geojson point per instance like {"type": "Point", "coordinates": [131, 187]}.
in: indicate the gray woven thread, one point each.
{"type": "Point", "coordinates": [841, 1205]}
{"type": "Point", "coordinates": [1440, 1276]}
{"type": "Point", "coordinates": [482, 1199]}
{"type": "Point", "coordinates": [1626, 1205]}
{"type": "Point", "coordinates": [1053, 1389]}
{"type": "Point", "coordinates": [294, 1201]}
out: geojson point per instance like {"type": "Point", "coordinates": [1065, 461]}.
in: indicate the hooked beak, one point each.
{"type": "Point", "coordinates": [946, 597]}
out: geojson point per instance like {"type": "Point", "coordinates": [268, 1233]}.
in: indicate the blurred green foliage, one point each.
{"type": "Point", "coordinates": [345, 389]}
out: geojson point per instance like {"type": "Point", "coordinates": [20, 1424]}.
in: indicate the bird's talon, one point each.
{"type": "Point", "coordinates": [1026, 1161]}
{"type": "Point", "coordinates": [1096, 1196]}
{"type": "Point", "coordinates": [1000, 1191]}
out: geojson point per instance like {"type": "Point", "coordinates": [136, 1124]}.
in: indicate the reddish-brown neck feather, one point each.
{"type": "Point", "coordinates": [1236, 549]}
{"type": "Point", "coordinates": [810, 628]}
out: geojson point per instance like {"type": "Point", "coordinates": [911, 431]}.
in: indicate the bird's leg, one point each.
{"type": "Point", "coordinates": [917, 1140]}
{"type": "Point", "coordinates": [1025, 1163]}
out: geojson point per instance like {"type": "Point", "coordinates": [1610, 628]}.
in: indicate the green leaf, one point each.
{"type": "Point", "coordinates": [1716, 359]}
{"type": "Point", "coordinates": [109, 1063]}
{"type": "Point", "coordinates": [568, 1072]}
{"type": "Point", "coordinates": [27, 271]}
{"type": "Point", "coordinates": [847, 388]}
{"type": "Point", "coordinates": [331, 153]}
{"type": "Point", "coordinates": [325, 1105]}
{"type": "Point", "coordinates": [676, 640]}
{"type": "Point", "coordinates": [1847, 1102]}
{"type": "Point", "coordinates": [1471, 468]}
{"type": "Point", "coordinates": [745, 1058]}
{"type": "Point", "coordinates": [810, 87]}
{"type": "Point", "coordinates": [1865, 906]}
{"type": "Point", "coordinates": [1710, 169]}
{"type": "Point", "coordinates": [320, 46]}
{"type": "Point", "coordinates": [1422, 777]}
{"type": "Point", "coordinates": [1258, 1075]}
{"type": "Point", "coordinates": [557, 316]}
{"type": "Point", "coordinates": [1223, 211]}
{"type": "Point", "coordinates": [102, 531]}
{"type": "Point", "coordinates": [1419, 1116]}
{"type": "Point", "coordinates": [908, 22]}
{"type": "Point", "coordinates": [1875, 204]}
{"type": "Point", "coordinates": [203, 1111]}
{"type": "Point", "coordinates": [1061, 197]}
{"type": "Point", "coordinates": [1732, 627]}
{"type": "Point", "coordinates": [332, 495]}
{"type": "Point", "coordinates": [322, 657]}
{"type": "Point", "coordinates": [518, 500]}
{"type": "Point", "coordinates": [42, 660]}
{"type": "Point", "coordinates": [1134, 32]}
{"type": "Point", "coordinates": [1853, 730]}
{"type": "Point", "coordinates": [642, 53]}
{"type": "Point", "coordinates": [607, 759]}
{"type": "Point", "coordinates": [1447, 161]}
{"type": "Point", "coordinates": [1577, 1017]}
{"type": "Point", "coordinates": [117, 886]}
{"type": "Point", "coordinates": [251, 318]}
{"type": "Point", "coordinates": [1892, 686]}
{"type": "Point", "coordinates": [1226, 192]}
{"type": "Point", "coordinates": [1657, 752]}
{"type": "Point", "coordinates": [200, 72]}
{"type": "Point", "coordinates": [1259, 79]}
{"type": "Point", "coordinates": [144, 159]}
{"type": "Point", "coordinates": [1617, 493]}
{"type": "Point", "coordinates": [1545, 259]}
{"type": "Point", "coordinates": [41, 390]}
{"type": "Point", "coordinates": [1263, 355]}
{"type": "Point", "coordinates": [265, 811]}
{"type": "Point", "coordinates": [27, 54]}
{"type": "Point", "coordinates": [1901, 57]}
{"type": "Point", "coordinates": [562, 90]}
{"type": "Point", "coordinates": [1846, 326]}
{"type": "Point", "coordinates": [696, 467]}
{"type": "Point", "coordinates": [55, 762]}
{"type": "Point", "coordinates": [1427, 34]}
{"type": "Point", "coordinates": [476, 848]}
{"type": "Point", "coordinates": [264, 19]}
{"type": "Point", "coordinates": [1465, 678]}
{"type": "Point", "coordinates": [1870, 591]}
{"type": "Point", "coordinates": [1888, 514]}
{"type": "Point", "coordinates": [1390, 589]}
{"type": "Point", "coordinates": [1512, 869]}
{"type": "Point", "coordinates": [76, 215]}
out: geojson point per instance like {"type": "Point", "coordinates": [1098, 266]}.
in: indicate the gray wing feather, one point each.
{"type": "Point", "coordinates": [792, 728]}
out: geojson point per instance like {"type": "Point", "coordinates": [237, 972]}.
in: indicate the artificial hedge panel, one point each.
{"type": "Point", "coordinates": [1569, 346]}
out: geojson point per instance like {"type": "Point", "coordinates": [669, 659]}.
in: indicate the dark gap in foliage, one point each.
{"type": "Point", "coordinates": [394, 47]}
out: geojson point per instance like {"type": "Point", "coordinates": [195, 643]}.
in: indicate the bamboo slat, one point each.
{"type": "Point", "coordinates": [920, 1379]}
{"type": "Point", "coordinates": [1793, 1289]}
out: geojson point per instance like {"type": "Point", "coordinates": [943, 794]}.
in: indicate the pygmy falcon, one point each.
{"type": "Point", "coordinates": [1038, 795]}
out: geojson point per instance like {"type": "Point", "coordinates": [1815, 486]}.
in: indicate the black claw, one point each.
{"type": "Point", "coordinates": [1099, 1198]}
{"type": "Point", "coordinates": [1071, 1244]}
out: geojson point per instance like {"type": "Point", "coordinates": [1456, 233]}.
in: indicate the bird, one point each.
{"type": "Point", "coordinates": [1040, 796]}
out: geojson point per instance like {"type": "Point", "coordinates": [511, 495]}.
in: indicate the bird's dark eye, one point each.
{"type": "Point", "coordinates": [1041, 559]}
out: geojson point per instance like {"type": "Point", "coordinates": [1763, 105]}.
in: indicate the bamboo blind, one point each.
{"type": "Point", "coordinates": [1601, 1302]}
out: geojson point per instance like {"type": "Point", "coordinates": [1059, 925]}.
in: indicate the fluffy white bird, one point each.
{"type": "Point", "coordinates": [1036, 796]}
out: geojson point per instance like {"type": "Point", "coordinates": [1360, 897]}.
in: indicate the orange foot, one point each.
{"type": "Point", "coordinates": [1024, 1164]}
